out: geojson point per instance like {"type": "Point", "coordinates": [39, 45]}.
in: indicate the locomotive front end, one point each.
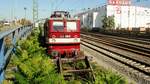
{"type": "Point", "coordinates": [63, 37]}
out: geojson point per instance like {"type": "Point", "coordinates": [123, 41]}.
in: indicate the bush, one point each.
{"type": "Point", "coordinates": [108, 22]}
{"type": "Point", "coordinates": [104, 76]}
{"type": "Point", "coordinates": [33, 65]}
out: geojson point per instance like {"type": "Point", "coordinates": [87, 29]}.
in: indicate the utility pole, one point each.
{"type": "Point", "coordinates": [25, 9]}
{"type": "Point", "coordinates": [35, 10]}
{"type": "Point", "coordinates": [12, 9]}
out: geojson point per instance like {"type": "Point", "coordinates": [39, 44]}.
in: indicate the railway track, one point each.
{"type": "Point", "coordinates": [127, 57]}
{"type": "Point", "coordinates": [134, 42]}
{"type": "Point", "coordinates": [142, 39]}
{"type": "Point", "coordinates": [142, 49]}
{"type": "Point", "coordinates": [123, 46]}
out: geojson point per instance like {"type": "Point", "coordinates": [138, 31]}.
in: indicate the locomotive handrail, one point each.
{"type": "Point", "coordinates": [8, 40]}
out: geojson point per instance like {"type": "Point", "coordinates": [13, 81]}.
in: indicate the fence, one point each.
{"type": "Point", "coordinates": [8, 40]}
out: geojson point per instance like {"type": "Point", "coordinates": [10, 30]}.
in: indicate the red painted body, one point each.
{"type": "Point", "coordinates": [59, 38]}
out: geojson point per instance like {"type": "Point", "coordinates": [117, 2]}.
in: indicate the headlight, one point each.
{"type": "Point", "coordinates": [53, 40]}
{"type": "Point", "coordinates": [75, 40]}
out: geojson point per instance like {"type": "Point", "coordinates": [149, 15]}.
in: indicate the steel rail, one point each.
{"type": "Point", "coordinates": [121, 46]}
{"type": "Point", "coordinates": [140, 43]}
{"type": "Point", "coordinates": [120, 58]}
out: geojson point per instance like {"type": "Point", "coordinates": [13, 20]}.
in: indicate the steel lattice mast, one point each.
{"type": "Point", "coordinates": [35, 10]}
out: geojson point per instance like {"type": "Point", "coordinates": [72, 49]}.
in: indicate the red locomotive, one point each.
{"type": "Point", "coordinates": [62, 34]}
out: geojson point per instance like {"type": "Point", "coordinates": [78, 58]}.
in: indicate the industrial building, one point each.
{"type": "Point", "coordinates": [125, 15]}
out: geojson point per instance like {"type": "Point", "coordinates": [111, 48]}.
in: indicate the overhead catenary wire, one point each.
{"type": "Point", "coordinates": [52, 4]}
{"type": "Point", "coordinates": [59, 4]}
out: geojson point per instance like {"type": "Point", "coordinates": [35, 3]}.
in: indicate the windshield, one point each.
{"type": "Point", "coordinates": [71, 26]}
{"type": "Point", "coordinates": [58, 26]}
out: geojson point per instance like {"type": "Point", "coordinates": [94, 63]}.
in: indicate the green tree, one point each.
{"type": "Point", "coordinates": [108, 22]}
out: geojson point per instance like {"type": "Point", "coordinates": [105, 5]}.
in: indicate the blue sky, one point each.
{"type": "Point", "coordinates": [15, 8]}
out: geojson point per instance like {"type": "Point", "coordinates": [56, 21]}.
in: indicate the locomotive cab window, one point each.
{"type": "Point", "coordinates": [58, 26]}
{"type": "Point", "coordinates": [71, 26]}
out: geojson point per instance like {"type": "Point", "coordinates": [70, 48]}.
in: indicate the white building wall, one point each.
{"type": "Point", "coordinates": [100, 16]}
{"type": "Point", "coordinates": [124, 16]}
{"type": "Point", "coordinates": [132, 20]}
{"type": "Point", "coordinates": [121, 15]}
{"type": "Point", "coordinates": [95, 22]}
{"type": "Point", "coordinates": [84, 19]}
{"type": "Point", "coordinates": [129, 16]}
{"type": "Point", "coordinates": [90, 19]}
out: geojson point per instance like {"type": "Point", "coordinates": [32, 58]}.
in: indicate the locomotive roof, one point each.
{"type": "Point", "coordinates": [64, 18]}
